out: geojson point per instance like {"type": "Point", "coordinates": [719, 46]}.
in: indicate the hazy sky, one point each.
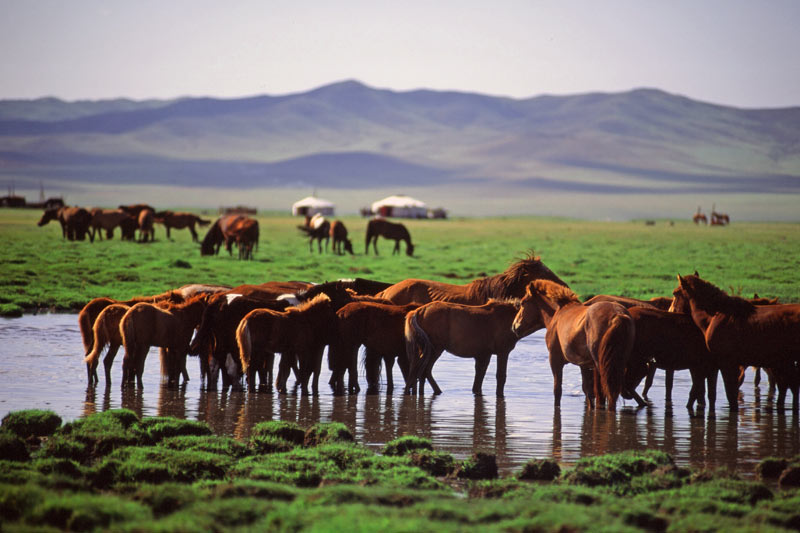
{"type": "Point", "coordinates": [742, 53]}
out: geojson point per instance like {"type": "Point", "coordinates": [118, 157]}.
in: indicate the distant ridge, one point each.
{"type": "Point", "coordinates": [348, 135]}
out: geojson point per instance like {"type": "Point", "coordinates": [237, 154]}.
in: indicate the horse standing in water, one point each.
{"type": "Point", "coordinates": [464, 330]}
{"type": "Point", "coordinates": [739, 333]}
{"type": "Point", "coordinates": [509, 284]}
{"type": "Point", "coordinates": [598, 338]}
{"type": "Point", "coordinates": [379, 227]}
{"type": "Point", "coordinates": [180, 220]}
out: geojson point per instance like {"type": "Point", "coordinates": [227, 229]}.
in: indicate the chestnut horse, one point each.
{"type": "Point", "coordinates": [220, 232]}
{"type": "Point", "coordinates": [339, 235]}
{"type": "Point", "coordinates": [75, 222]}
{"type": "Point", "coordinates": [304, 330]}
{"type": "Point", "coordinates": [180, 220]}
{"type": "Point", "coordinates": [475, 331]}
{"type": "Point", "coordinates": [244, 233]}
{"type": "Point", "coordinates": [379, 227]}
{"type": "Point", "coordinates": [672, 342]}
{"type": "Point", "coordinates": [106, 333]}
{"type": "Point", "coordinates": [380, 328]}
{"type": "Point", "coordinates": [508, 284]}
{"type": "Point", "coordinates": [146, 219]}
{"type": "Point", "coordinates": [598, 338]}
{"type": "Point", "coordinates": [146, 325]}
{"type": "Point", "coordinates": [739, 333]}
{"type": "Point", "coordinates": [106, 219]}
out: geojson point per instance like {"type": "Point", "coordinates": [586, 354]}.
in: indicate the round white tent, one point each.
{"type": "Point", "coordinates": [401, 206]}
{"type": "Point", "coordinates": [311, 205]}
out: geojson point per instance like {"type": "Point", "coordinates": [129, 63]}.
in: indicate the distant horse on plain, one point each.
{"type": "Point", "coordinates": [341, 243]}
{"type": "Point", "coordinates": [75, 222]}
{"type": "Point", "coordinates": [180, 220]}
{"type": "Point", "coordinates": [317, 228]}
{"type": "Point", "coordinates": [379, 227]}
{"type": "Point", "coordinates": [108, 220]}
{"type": "Point", "coordinates": [223, 231]}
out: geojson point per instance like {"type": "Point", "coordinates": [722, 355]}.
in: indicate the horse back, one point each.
{"type": "Point", "coordinates": [672, 339]}
{"type": "Point", "coordinates": [767, 337]}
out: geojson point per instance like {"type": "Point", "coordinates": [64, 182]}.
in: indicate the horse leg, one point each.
{"type": "Point", "coordinates": [317, 370]}
{"type": "Point", "coordinates": [108, 360]}
{"type": "Point", "coordinates": [429, 375]}
{"type": "Point", "coordinates": [502, 370]}
{"type": "Point", "coordinates": [396, 247]}
{"type": "Point", "coordinates": [757, 376]}
{"type": "Point", "coordinates": [372, 365]}
{"type": "Point", "coordinates": [558, 376]}
{"type": "Point", "coordinates": [481, 364]}
{"type": "Point", "coordinates": [730, 378]}
{"type": "Point", "coordinates": [588, 385]}
{"type": "Point", "coordinates": [352, 373]}
{"type": "Point", "coordinates": [711, 387]}
{"type": "Point", "coordinates": [669, 377]}
{"type": "Point", "coordinates": [648, 380]}
{"type": "Point", "coordinates": [388, 363]}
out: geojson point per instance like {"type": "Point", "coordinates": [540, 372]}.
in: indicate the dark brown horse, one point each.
{"type": "Point", "coordinates": [739, 333]}
{"type": "Point", "coordinates": [245, 234]}
{"type": "Point", "coordinates": [509, 284]}
{"type": "Point", "coordinates": [379, 227]}
{"type": "Point", "coordinates": [180, 220]}
{"type": "Point", "coordinates": [106, 219]}
{"type": "Point", "coordinates": [361, 286]}
{"type": "Point", "coordinates": [598, 337]}
{"type": "Point", "coordinates": [316, 228]}
{"type": "Point", "coordinates": [215, 340]}
{"type": "Point", "coordinates": [379, 327]}
{"type": "Point", "coordinates": [475, 331]}
{"type": "Point", "coordinates": [221, 232]}
{"type": "Point", "coordinates": [75, 222]}
{"type": "Point", "coordinates": [339, 237]}
{"type": "Point", "coordinates": [672, 342]}
{"type": "Point", "coordinates": [304, 330]}
{"type": "Point", "coordinates": [146, 325]}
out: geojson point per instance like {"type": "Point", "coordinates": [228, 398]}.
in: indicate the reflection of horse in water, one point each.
{"type": "Point", "coordinates": [317, 228]}
{"type": "Point", "coordinates": [180, 220]}
{"type": "Point", "coordinates": [379, 227]}
{"type": "Point", "coordinates": [598, 337]}
{"type": "Point", "coordinates": [465, 330]}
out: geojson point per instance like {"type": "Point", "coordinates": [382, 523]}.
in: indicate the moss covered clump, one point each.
{"type": "Point", "coordinates": [31, 423]}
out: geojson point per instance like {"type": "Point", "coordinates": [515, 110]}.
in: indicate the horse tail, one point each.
{"type": "Point", "coordinates": [418, 348]}
{"type": "Point", "coordinates": [244, 340]}
{"type": "Point", "coordinates": [87, 331]}
{"type": "Point", "coordinates": [98, 343]}
{"type": "Point", "coordinates": [612, 356]}
{"type": "Point", "coordinates": [203, 221]}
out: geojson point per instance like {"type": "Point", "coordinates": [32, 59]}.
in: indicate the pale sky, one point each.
{"type": "Point", "coordinates": [732, 52]}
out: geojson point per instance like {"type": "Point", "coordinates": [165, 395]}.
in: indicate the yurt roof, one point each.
{"type": "Point", "coordinates": [312, 201]}
{"type": "Point", "coordinates": [399, 200]}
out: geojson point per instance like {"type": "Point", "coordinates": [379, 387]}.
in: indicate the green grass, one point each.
{"type": "Point", "coordinates": [193, 482]}
{"type": "Point", "coordinates": [40, 270]}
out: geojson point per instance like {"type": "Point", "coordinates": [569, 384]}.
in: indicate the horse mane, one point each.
{"type": "Point", "coordinates": [183, 304]}
{"type": "Point", "coordinates": [551, 290]}
{"type": "Point", "coordinates": [512, 281]}
{"type": "Point", "coordinates": [516, 302]}
{"type": "Point", "coordinates": [706, 291]}
{"type": "Point", "coordinates": [319, 299]}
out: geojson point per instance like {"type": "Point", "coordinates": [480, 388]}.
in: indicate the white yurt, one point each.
{"type": "Point", "coordinates": [401, 206]}
{"type": "Point", "coordinates": [311, 205]}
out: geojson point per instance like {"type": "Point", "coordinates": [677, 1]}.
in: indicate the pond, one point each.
{"type": "Point", "coordinates": [41, 366]}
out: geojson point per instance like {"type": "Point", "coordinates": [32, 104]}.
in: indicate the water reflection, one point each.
{"type": "Point", "coordinates": [522, 425]}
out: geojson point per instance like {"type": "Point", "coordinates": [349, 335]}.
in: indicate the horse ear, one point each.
{"type": "Point", "coordinates": [696, 273]}
{"type": "Point", "coordinates": [681, 280]}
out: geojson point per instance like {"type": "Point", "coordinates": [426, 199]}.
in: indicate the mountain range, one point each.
{"type": "Point", "coordinates": [350, 136]}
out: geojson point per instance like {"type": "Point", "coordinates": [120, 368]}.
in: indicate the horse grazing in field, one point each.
{"type": "Point", "coordinates": [739, 333]}
{"type": "Point", "coordinates": [215, 339]}
{"type": "Point", "coordinates": [672, 342]}
{"type": "Point", "coordinates": [340, 240]}
{"type": "Point", "coordinates": [598, 338]}
{"type": "Point", "coordinates": [221, 232]}
{"type": "Point", "coordinates": [75, 222]}
{"type": "Point", "coordinates": [508, 284]}
{"type": "Point", "coordinates": [379, 227]}
{"type": "Point", "coordinates": [317, 228]}
{"type": "Point", "coordinates": [304, 330]}
{"type": "Point", "coordinates": [699, 217]}
{"type": "Point", "coordinates": [106, 219]}
{"type": "Point", "coordinates": [377, 326]}
{"type": "Point", "coordinates": [244, 233]}
{"type": "Point", "coordinates": [146, 325]}
{"type": "Point", "coordinates": [463, 330]}
{"type": "Point", "coordinates": [180, 220]}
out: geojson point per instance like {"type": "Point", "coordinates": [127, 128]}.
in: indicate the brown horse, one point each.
{"type": "Point", "coordinates": [739, 333]}
{"type": "Point", "coordinates": [145, 220]}
{"type": "Point", "coordinates": [317, 228]}
{"type": "Point", "coordinates": [215, 340]}
{"type": "Point", "coordinates": [699, 217]}
{"type": "Point", "coordinates": [146, 325]}
{"type": "Point", "coordinates": [75, 222]}
{"type": "Point", "coordinates": [464, 330]}
{"type": "Point", "coordinates": [509, 284]}
{"type": "Point", "coordinates": [244, 233]}
{"type": "Point", "coordinates": [106, 219]}
{"type": "Point", "coordinates": [180, 220]}
{"type": "Point", "coordinates": [379, 227]}
{"type": "Point", "coordinates": [598, 337]}
{"type": "Point", "coordinates": [360, 286]}
{"type": "Point", "coordinates": [304, 330]}
{"type": "Point", "coordinates": [380, 328]}
{"type": "Point", "coordinates": [672, 342]}
{"type": "Point", "coordinates": [106, 333]}
{"type": "Point", "coordinates": [219, 233]}
{"type": "Point", "coordinates": [340, 240]}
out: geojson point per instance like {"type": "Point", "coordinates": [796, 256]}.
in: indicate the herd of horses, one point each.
{"type": "Point", "coordinates": [616, 341]}
{"type": "Point", "coordinates": [78, 222]}
{"type": "Point", "coordinates": [717, 218]}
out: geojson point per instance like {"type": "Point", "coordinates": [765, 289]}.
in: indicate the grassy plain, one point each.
{"type": "Point", "coordinates": [38, 269]}
{"type": "Point", "coordinates": [114, 472]}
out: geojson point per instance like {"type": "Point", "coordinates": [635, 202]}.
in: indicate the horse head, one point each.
{"type": "Point", "coordinates": [409, 249]}
{"type": "Point", "coordinates": [48, 215]}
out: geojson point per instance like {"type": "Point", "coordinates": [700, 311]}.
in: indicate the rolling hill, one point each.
{"type": "Point", "coordinates": [350, 136]}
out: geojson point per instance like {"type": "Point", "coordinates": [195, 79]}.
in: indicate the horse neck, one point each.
{"type": "Point", "coordinates": [548, 309]}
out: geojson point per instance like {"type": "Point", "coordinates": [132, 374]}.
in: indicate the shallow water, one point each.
{"type": "Point", "coordinates": [41, 367]}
